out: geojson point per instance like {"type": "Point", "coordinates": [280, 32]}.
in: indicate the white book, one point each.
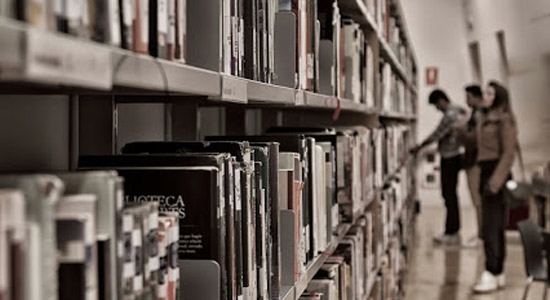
{"type": "Point", "coordinates": [331, 211]}
{"type": "Point", "coordinates": [12, 244]}
{"type": "Point", "coordinates": [75, 239]}
{"type": "Point", "coordinates": [42, 192]}
{"type": "Point", "coordinates": [226, 36]}
{"type": "Point", "coordinates": [371, 69]}
{"type": "Point", "coordinates": [107, 186]}
{"type": "Point", "coordinates": [320, 205]}
{"type": "Point", "coordinates": [33, 288]}
{"type": "Point", "coordinates": [85, 204]}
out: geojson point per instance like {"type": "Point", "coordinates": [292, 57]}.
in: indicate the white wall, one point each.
{"type": "Point", "coordinates": [438, 34]}
{"type": "Point", "coordinates": [525, 24]}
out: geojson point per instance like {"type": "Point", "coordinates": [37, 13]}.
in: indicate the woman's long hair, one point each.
{"type": "Point", "coordinates": [502, 98]}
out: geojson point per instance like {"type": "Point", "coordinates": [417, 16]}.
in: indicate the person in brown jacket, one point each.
{"type": "Point", "coordinates": [496, 141]}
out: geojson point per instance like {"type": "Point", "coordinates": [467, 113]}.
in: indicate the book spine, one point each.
{"type": "Point", "coordinates": [171, 40]}
{"type": "Point", "coordinates": [141, 26]}
{"type": "Point", "coordinates": [126, 19]}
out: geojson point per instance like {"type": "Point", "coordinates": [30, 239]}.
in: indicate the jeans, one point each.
{"type": "Point", "coordinates": [473, 174]}
{"type": "Point", "coordinates": [449, 180]}
{"type": "Point", "coordinates": [494, 212]}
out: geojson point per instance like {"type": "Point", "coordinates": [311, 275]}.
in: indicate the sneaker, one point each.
{"type": "Point", "coordinates": [487, 283]}
{"type": "Point", "coordinates": [473, 242]}
{"type": "Point", "coordinates": [448, 239]}
{"type": "Point", "coordinates": [501, 281]}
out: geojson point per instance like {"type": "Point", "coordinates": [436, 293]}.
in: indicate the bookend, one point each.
{"type": "Point", "coordinates": [199, 279]}
{"type": "Point", "coordinates": [285, 50]}
{"type": "Point", "coordinates": [288, 246]}
{"type": "Point", "coordinates": [326, 65]}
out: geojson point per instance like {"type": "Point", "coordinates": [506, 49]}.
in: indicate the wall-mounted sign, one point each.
{"type": "Point", "coordinates": [432, 75]}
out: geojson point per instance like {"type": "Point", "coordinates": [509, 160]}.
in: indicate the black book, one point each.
{"type": "Point", "coordinates": [72, 266]}
{"type": "Point", "coordinates": [263, 36]}
{"type": "Point", "coordinates": [158, 28]}
{"type": "Point", "coordinates": [243, 174]}
{"type": "Point", "coordinates": [261, 234]}
{"type": "Point", "coordinates": [273, 146]}
{"type": "Point", "coordinates": [250, 40]}
{"type": "Point", "coordinates": [192, 192]}
{"type": "Point", "coordinates": [263, 245]}
{"type": "Point", "coordinates": [126, 18]}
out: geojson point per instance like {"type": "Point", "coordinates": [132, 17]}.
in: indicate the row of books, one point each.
{"type": "Point", "coordinates": [305, 179]}
{"type": "Point", "coordinates": [70, 236]}
{"type": "Point", "coordinates": [154, 27]}
{"type": "Point", "coordinates": [371, 252]}
{"type": "Point", "coordinates": [392, 29]}
{"type": "Point", "coordinates": [328, 52]}
{"type": "Point", "coordinates": [337, 61]}
{"type": "Point", "coordinates": [344, 274]}
{"type": "Point", "coordinates": [394, 94]}
{"type": "Point", "coordinates": [260, 207]}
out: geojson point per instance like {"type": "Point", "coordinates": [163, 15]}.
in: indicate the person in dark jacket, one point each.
{"type": "Point", "coordinates": [467, 135]}
{"type": "Point", "coordinates": [496, 142]}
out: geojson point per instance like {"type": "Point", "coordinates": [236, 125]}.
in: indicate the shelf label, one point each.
{"type": "Point", "coordinates": [67, 60]}
{"type": "Point", "coordinates": [234, 89]}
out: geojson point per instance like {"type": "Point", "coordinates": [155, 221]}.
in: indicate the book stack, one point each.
{"type": "Point", "coordinates": [70, 237]}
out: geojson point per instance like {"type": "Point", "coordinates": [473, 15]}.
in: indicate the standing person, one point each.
{"type": "Point", "coordinates": [451, 162]}
{"type": "Point", "coordinates": [467, 135]}
{"type": "Point", "coordinates": [497, 140]}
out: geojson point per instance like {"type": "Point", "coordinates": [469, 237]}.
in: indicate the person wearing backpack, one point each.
{"type": "Point", "coordinates": [497, 142]}
{"type": "Point", "coordinates": [449, 149]}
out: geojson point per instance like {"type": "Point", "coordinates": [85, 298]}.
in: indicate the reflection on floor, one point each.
{"type": "Point", "coordinates": [448, 273]}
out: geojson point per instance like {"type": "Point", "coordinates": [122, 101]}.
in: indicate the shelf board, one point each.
{"type": "Point", "coordinates": [52, 60]}
{"type": "Point", "coordinates": [371, 280]}
{"type": "Point", "coordinates": [358, 11]}
{"type": "Point", "coordinates": [294, 292]}
{"type": "Point", "coordinates": [123, 72]}
{"type": "Point", "coordinates": [288, 293]}
{"type": "Point", "coordinates": [264, 93]}
{"type": "Point", "coordinates": [414, 89]}
{"type": "Point", "coordinates": [147, 74]}
{"type": "Point", "coordinates": [387, 52]}
{"type": "Point", "coordinates": [398, 116]}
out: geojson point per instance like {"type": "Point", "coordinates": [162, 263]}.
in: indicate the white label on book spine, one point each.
{"type": "Point", "coordinates": [310, 67]}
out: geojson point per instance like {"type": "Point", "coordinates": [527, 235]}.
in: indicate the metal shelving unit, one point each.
{"type": "Point", "coordinates": [55, 63]}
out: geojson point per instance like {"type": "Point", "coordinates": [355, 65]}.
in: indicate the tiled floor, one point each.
{"type": "Point", "coordinates": [448, 273]}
